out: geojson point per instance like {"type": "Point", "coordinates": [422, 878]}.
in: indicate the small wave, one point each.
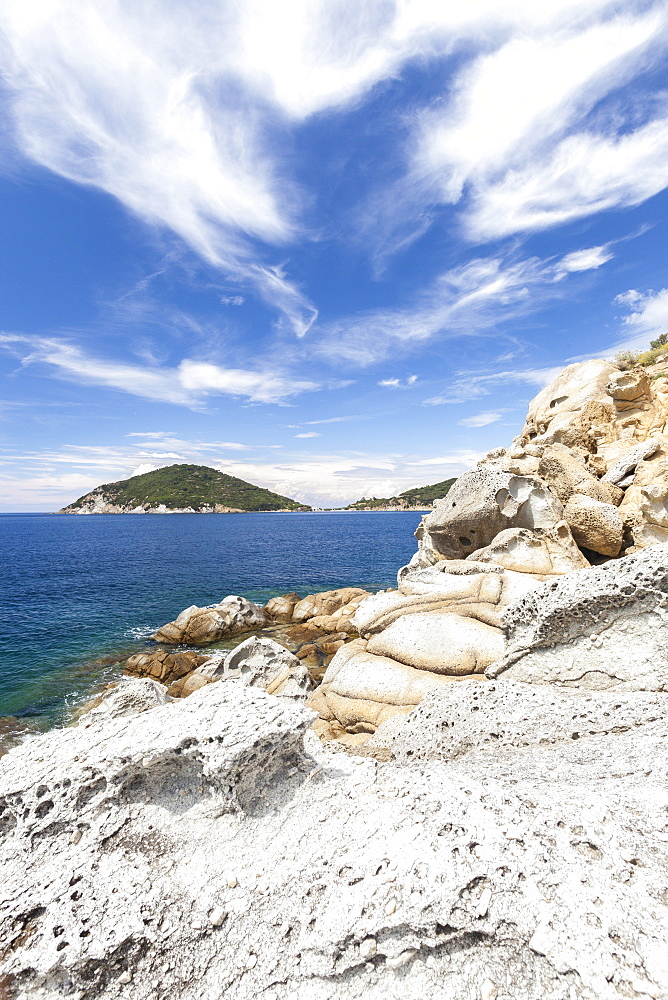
{"type": "Point", "coordinates": [139, 632]}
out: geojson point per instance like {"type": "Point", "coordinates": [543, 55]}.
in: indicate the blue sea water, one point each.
{"type": "Point", "coordinates": [78, 594]}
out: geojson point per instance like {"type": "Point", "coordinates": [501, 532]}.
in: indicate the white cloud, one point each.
{"type": "Point", "coordinates": [648, 317]}
{"type": "Point", "coordinates": [308, 434]}
{"type": "Point", "coordinates": [51, 478]}
{"type": "Point", "coordinates": [138, 101]}
{"type": "Point", "coordinates": [586, 260]}
{"type": "Point", "coordinates": [396, 383]}
{"type": "Point", "coordinates": [472, 385]}
{"type": "Point", "coordinates": [465, 300]}
{"type": "Point", "coordinates": [584, 174]}
{"type": "Point", "coordinates": [480, 419]}
{"type": "Point", "coordinates": [523, 139]}
{"type": "Point", "coordinates": [144, 467]}
{"type": "Point", "coordinates": [183, 113]}
{"type": "Point", "coordinates": [187, 384]}
{"type": "Point", "coordinates": [232, 300]}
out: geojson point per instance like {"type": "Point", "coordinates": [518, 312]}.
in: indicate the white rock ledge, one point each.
{"type": "Point", "coordinates": [208, 849]}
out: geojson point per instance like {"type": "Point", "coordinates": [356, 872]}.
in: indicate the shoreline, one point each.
{"type": "Point", "coordinates": [335, 510]}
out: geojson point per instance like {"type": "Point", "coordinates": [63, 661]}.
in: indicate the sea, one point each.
{"type": "Point", "coordinates": [79, 594]}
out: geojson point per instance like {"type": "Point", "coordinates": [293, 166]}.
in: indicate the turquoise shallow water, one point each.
{"type": "Point", "coordinates": [78, 594]}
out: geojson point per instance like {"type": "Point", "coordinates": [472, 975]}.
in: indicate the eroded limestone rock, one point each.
{"type": "Point", "coordinates": [201, 850]}
{"type": "Point", "coordinates": [482, 503]}
{"type": "Point", "coordinates": [162, 666]}
{"type": "Point", "coordinates": [503, 713]}
{"type": "Point", "coordinates": [281, 608]}
{"type": "Point", "coordinates": [262, 663]}
{"type": "Point", "coordinates": [539, 552]}
{"type": "Point", "coordinates": [327, 603]}
{"type": "Point", "coordinates": [605, 627]}
{"type": "Point", "coordinates": [364, 687]}
{"type": "Point", "coordinates": [442, 642]}
{"type": "Point", "coordinates": [130, 696]}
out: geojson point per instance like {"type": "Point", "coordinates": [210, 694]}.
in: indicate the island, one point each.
{"type": "Point", "coordinates": [417, 498]}
{"type": "Point", "coordinates": [181, 489]}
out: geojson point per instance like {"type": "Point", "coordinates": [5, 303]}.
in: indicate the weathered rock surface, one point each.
{"type": "Point", "coordinates": [262, 663]}
{"type": "Point", "coordinates": [327, 603]}
{"type": "Point", "coordinates": [281, 608]}
{"type": "Point", "coordinates": [444, 643]}
{"type": "Point", "coordinates": [569, 410]}
{"type": "Point", "coordinates": [539, 552]}
{"type": "Point", "coordinates": [198, 851]}
{"type": "Point", "coordinates": [199, 626]}
{"type": "Point", "coordinates": [163, 666]}
{"type": "Point", "coordinates": [131, 696]}
{"type": "Point", "coordinates": [605, 627]}
{"type": "Point", "coordinates": [595, 525]}
{"type": "Point", "coordinates": [482, 503]}
{"type": "Point", "coordinates": [627, 464]}
{"type": "Point", "coordinates": [566, 474]}
{"type": "Point", "coordinates": [362, 689]}
{"type": "Point", "coordinates": [503, 713]}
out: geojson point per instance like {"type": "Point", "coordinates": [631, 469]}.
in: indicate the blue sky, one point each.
{"type": "Point", "coordinates": [333, 248]}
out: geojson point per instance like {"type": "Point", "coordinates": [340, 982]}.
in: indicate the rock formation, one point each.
{"type": "Point", "coordinates": [200, 626]}
{"type": "Point", "coordinates": [170, 849]}
{"type": "Point", "coordinates": [213, 847]}
{"type": "Point", "coordinates": [511, 546]}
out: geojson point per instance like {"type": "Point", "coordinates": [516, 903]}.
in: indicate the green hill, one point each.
{"type": "Point", "coordinates": [419, 496]}
{"type": "Point", "coordinates": [175, 487]}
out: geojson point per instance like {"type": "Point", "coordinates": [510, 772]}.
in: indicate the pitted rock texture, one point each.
{"type": "Point", "coordinates": [627, 464]}
{"type": "Point", "coordinates": [482, 503]}
{"type": "Point", "coordinates": [262, 663]}
{"type": "Point", "coordinates": [130, 696]}
{"type": "Point", "coordinates": [605, 627]}
{"type": "Point", "coordinates": [540, 552]}
{"type": "Point", "coordinates": [500, 714]}
{"type": "Point", "coordinates": [596, 526]}
{"type": "Point", "coordinates": [533, 873]}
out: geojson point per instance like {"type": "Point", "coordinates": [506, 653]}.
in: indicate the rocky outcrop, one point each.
{"type": "Point", "coordinates": [606, 627]}
{"type": "Point", "coordinates": [260, 662]}
{"type": "Point", "coordinates": [210, 848]}
{"type": "Point", "coordinates": [482, 503]}
{"type": "Point", "coordinates": [585, 481]}
{"type": "Point", "coordinates": [200, 626]}
{"type": "Point", "coordinates": [503, 714]}
{"type": "Point", "coordinates": [163, 666]}
{"type": "Point", "coordinates": [444, 622]}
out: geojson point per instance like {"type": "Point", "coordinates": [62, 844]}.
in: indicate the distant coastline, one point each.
{"type": "Point", "coordinates": [327, 510]}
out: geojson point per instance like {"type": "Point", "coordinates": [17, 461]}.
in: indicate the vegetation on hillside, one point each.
{"type": "Point", "coordinates": [419, 496]}
{"type": "Point", "coordinates": [658, 348]}
{"type": "Point", "coordinates": [194, 486]}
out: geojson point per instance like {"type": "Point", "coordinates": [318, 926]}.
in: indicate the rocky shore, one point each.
{"type": "Point", "coordinates": [454, 789]}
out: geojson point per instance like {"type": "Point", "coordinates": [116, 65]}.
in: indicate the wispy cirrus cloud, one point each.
{"type": "Point", "coordinates": [647, 317]}
{"type": "Point", "coordinates": [190, 383]}
{"type": "Point", "coordinates": [532, 133]}
{"type": "Point", "coordinates": [471, 385]}
{"type": "Point", "coordinates": [465, 300]}
{"type": "Point", "coordinates": [480, 419]}
{"type": "Point", "coordinates": [139, 102]}
{"type": "Point", "coordinates": [187, 115]}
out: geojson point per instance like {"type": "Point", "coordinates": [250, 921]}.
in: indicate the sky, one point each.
{"type": "Point", "coordinates": [331, 248]}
